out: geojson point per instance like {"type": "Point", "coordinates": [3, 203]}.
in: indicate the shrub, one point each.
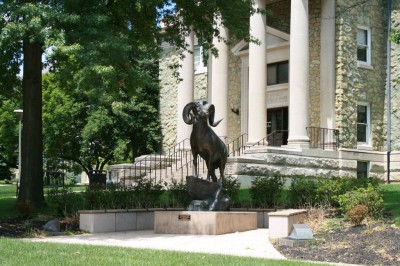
{"type": "Point", "coordinates": [179, 194]}
{"type": "Point", "coordinates": [303, 191]}
{"type": "Point", "coordinates": [144, 194]}
{"type": "Point", "coordinates": [370, 197]}
{"type": "Point", "coordinates": [329, 190]}
{"type": "Point", "coordinates": [265, 191]}
{"type": "Point", "coordinates": [357, 214]}
{"type": "Point", "coordinates": [64, 202]}
{"type": "Point", "coordinates": [147, 193]}
{"type": "Point", "coordinates": [231, 187]}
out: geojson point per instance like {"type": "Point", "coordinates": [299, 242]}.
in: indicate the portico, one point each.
{"type": "Point", "coordinates": [259, 92]}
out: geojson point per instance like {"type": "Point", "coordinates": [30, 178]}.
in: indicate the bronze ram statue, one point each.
{"type": "Point", "coordinates": [203, 140]}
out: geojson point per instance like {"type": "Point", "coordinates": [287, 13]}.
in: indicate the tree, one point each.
{"type": "Point", "coordinates": [29, 27]}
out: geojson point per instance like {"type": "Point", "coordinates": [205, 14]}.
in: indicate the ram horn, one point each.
{"type": "Point", "coordinates": [187, 116]}
{"type": "Point", "coordinates": [211, 112]}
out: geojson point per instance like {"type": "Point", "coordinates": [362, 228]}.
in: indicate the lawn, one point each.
{"type": "Point", "coordinates": [391, 201]}
{"type": "Point", "coordinates": [17, 252]}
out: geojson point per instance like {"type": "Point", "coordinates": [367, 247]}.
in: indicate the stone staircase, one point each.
{"type": "Point", "coordinates": [176, 163]}
{"type": "Point", "coordinates": [160, 168]}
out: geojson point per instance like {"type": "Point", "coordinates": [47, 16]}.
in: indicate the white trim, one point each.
{"type": "Point", "coordinates": [200, 68]}
{"type": "Point", "coordinates": [244, 97]}
{"type": "Point", "coordinates": [368, 129]}
{"type": "Point", "coordinates": [364, 64]}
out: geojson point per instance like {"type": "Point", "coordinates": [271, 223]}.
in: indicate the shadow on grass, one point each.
{"type": "Point", "coordinates": [7, 208]}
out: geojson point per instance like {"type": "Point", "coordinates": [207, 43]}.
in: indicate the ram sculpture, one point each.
{"type": "Point", "coordinates": [203, 140]}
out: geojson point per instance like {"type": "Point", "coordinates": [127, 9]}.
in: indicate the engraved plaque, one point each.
{"type": "Point", "coordinates": [184, 217]}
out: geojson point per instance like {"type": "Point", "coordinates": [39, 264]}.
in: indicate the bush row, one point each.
{"type": "Point", "coordinates": [355, 197]}
{"type": "Point", "coordinates": [144, 194]}
{"type": "Point", "coordinates": [265, 192]}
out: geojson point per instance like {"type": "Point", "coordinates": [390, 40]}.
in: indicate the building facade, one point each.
{"type": "Point", "coordinates": [320, 72]}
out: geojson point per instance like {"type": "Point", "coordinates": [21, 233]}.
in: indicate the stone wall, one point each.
{"type": "Point", "coordinates": [395, 78]}
{"type": "Point", "coordinates": [169, 80]}
{"type": "Point", "coordinates": [355, 84]}
{"type": "Point", "coordinates": [315, 47]}
{"type": "Point", "coordinates": [168, 97]}
{"type": "Point", "coordinates": [200, 86]}
{"type": "Point", "coordinates": [234, 96]}
{"type": "Point", "coordinates": [280, 15]}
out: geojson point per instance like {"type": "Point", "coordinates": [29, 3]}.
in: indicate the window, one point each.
{"type": "Point", "coordinates": [364, 45]}
{"type": "Point", "coordinates": [278, 73]}
{"type": "Point", "coordinates": [363, 123]}
{"type": "Point", "coordinates": [199, 64]}
{"type": "Point", "coordinates": [362, 169]}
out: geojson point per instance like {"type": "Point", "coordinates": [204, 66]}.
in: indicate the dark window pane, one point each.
{"type": "Point", "coordinates": [362, 54]}
{"type": "Point", "coordinates": [362, 114]}
{"type": "Point", "coordinates": [362, 169]}
{"type": "Point", "coordinates": [283, 73]}
{"type": "Point", "coordinates": [272, 74]}
{"type": "Point", "coordinates": [361, 133]}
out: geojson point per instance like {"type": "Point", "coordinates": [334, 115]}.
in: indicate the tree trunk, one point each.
{"type": "Point", "coordinates": [31, 194]}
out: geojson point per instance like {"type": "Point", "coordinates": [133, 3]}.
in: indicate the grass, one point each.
{"type": "Point", "coordinates": [391, 201]}
{"type": "Point", "coordinates": [8, 191]}
{"type": "Point", "coordinates": [17, 252]}
{"type": "Point", "coordinates": [7, 201]}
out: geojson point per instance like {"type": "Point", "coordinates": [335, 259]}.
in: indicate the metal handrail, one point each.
{"type": "Point", "coordinates": [323, 138]}
{"type": "Point", "coordinates": [272, 139]}
{"type": "Point", "coordinates": [177, 158]}
{"type": "Point", "coordinates": [237, 146]}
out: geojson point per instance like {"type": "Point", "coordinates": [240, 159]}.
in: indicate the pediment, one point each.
{"type": "Point", "coordinates": [274, 38]}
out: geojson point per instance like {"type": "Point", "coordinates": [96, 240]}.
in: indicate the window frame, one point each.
{"type": "Point", "coordinates": [367, 124]}
{"type": "Point", "coordinates": [366, 170]}
{"type": "Point", "coordinates": [278, 71]}
{"type": "Point", "coordinates": [368, 47]}
{"type": "Point", "coordinates": [199, 65]}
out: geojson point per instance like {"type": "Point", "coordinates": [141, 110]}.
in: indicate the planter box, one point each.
{"type": "Point", "coordinates": [103, 221]}
{"type": "Point", "coordinates": [281, 222]}
{"type": "Point", "coordinates": [203, 222]}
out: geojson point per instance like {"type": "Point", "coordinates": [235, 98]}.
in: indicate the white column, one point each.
{"type": "Point", "coordinates": [185, 90]}
{"type": "Point", "coordinates": [327, 67]}
{"type": "Point", "coordinates": [299, 75]}
{"type": "Point", "coordinates": [244, 95]}
{"type": "Point", "coordinates": [219, 83]}
{"type": "Point", "coordinates": [257, 123]}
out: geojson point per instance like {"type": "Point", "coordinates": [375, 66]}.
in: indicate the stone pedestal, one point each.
{"type": "Point", "coordinates": [203, 223]}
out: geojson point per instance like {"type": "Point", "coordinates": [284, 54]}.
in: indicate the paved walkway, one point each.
{"type": "Point", "coordinates": [252, 243]}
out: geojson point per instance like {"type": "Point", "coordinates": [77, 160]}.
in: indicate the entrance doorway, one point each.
{"type": "Point", "coordinates": [277, 126]}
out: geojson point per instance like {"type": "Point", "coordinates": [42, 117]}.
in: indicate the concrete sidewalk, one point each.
{"type": "Point", "coordinates": [254, 243]}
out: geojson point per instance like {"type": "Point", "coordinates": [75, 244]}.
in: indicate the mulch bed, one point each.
{"type": "Point", "coordinates": [376, 243]}
{"type": "Point", "coordinates": [19, 227]}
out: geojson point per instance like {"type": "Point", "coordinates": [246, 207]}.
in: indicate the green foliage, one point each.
{"type": "Point", "coordinates": [147, 193]}
{"type": "Point", "coordinates": [370, 196]}
{"type": "Point", "coordinates": [144, 194]}
{"type": "Point", "coordinates": [179, 196]}
{"type": "Point", "coordinates": [323, 191]}
{"type": "Point", "coordinates": [395, 36]}
{"type": "Point", "coordinates": [303, 191]}
{"type": "Point", "coordinates": [329, 190]}
{"type": "Point", "coordinates": [265, 191]}
{"type": "Point", "coordinates": [231, 187]}
{"type": "Point", "coordinates": [64, 201]}
{"type": "Point", "coordinates": [8, 137]}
